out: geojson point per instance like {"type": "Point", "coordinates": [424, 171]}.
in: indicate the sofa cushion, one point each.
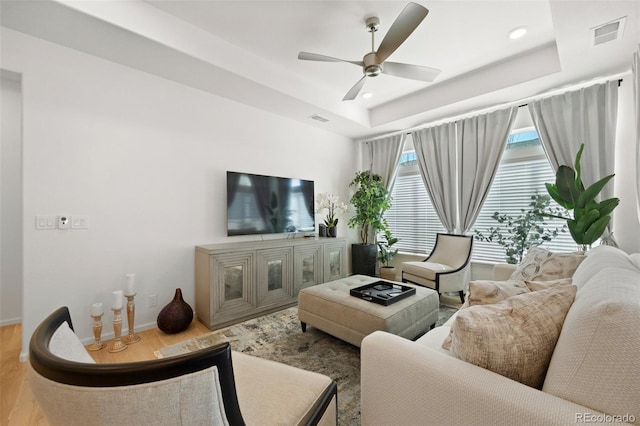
{"type": "Point", "coordinates": [515, 337]}
{"type": "Point", "coordinates": [425, 269]}
{"type": "Point", "coordinates": [603, 257]}
{"type": "Point", "coordinates": [542, 265]}
{"type": "Point", "coordinates": [596, 362]}
{"type": "Point", "coordinates": [273, 393]}
{"type": "Point", "coordinates": [66, 344]}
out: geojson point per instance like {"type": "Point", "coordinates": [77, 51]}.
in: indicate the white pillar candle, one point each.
{"type": "Point", "coordinates": [96, 309]}
{"type": "Point", "coordinates": [130, 284]}
{"type": "Point", "coordinates": [117, 299]}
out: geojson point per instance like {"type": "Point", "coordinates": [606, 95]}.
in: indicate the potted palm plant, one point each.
{"type": "Point", "coordinates": [386, 254]}
{"type": "Point", "coordinates": [370, 200]}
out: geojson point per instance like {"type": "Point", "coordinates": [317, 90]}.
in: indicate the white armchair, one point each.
{"type": "Point", "coordinates": [448, 267]}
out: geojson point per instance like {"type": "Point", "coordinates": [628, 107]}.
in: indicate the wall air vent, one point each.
{"type": "Point", "coordinates": [607, 32]}
{"type": "Point", "coordinates": [318, 118]}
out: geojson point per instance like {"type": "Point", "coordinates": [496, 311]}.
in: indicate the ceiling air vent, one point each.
{"type": "Point", "coordinates": [607, 32]}
{"type": "Point", "coordinates": [318, 118]}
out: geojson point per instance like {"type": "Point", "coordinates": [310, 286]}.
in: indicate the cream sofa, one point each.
{"type": "Point", "coordinates": [593, 375]}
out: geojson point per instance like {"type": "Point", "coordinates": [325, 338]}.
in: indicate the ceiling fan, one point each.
{"type": "Point", "coordinates": [375, 62]}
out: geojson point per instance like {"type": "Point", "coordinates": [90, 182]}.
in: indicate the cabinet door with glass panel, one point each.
{"type": "Point", "coordinates": [308, 269]}
{"type": "Point", "coordinates": [335, 260]}
{"type": "Point", "coordinates": [235, 293]}
{"type": "Point", "coordinates": [275, 276]}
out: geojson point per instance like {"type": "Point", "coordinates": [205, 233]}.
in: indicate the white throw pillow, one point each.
{"type": "Point", "coordinates": [65, 344]}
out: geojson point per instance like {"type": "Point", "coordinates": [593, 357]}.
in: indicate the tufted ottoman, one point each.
{"type": "Point", "coordinates": [329, 307]}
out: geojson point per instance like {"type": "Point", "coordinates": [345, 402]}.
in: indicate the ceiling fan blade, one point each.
{"type": "Point", "coordinates": [413, 72]}
{"type": "Point", "coordinates": [403, 26]}
{"type": "Point", "coordinates": [353, 92]}
{"type": "Point", "coordinates": [306, 56]}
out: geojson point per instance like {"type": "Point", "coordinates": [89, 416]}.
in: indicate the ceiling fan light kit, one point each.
{"type": "Point", "coordinates": [373, 63]}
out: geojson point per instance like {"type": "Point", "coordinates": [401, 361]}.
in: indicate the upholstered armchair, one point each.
{"type": "Point", "coordinates": [202, 387]}
{"type": "Point", "coordinates": [448, 267]}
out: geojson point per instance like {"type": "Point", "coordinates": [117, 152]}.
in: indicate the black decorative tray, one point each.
{"type": "Point", "coordinates": [383, 292]}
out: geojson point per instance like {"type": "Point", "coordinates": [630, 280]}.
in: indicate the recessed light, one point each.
{"type": "Point", "coordinates": [517, 33]}
{"type": "Point", "coordinates": [367, 95]}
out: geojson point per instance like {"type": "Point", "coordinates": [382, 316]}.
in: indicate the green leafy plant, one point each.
{"type": "Point", "coordinates": [529, 229]}
{"type": "Point", "coordinates": [370, 200]}
{"type": "Point", "coordinates": [385, 252]}
{"type": "Point", "coordinates": [587, 218]}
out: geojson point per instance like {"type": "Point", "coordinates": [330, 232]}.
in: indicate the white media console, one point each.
{"type": "Point", "coordinates": [238, 281]}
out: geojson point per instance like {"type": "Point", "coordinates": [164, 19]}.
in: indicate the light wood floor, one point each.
{"type": "Point", "coordinates": [20, 408]}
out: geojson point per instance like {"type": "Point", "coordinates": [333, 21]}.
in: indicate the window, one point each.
{"type": "Point", "coordinates": [523, 170]}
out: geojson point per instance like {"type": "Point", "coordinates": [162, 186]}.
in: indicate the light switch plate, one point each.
{"type": "Point", "coordinates": [79, 222]}
{"type": "Point", "coordinates": [45, 222]}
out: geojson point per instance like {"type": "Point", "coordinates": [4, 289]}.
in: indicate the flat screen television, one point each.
{"type": "Point", "coordinates": [258, 204]}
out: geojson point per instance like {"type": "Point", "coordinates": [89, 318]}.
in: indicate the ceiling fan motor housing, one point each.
{"type": "Point", "coordinates": [371, 66]}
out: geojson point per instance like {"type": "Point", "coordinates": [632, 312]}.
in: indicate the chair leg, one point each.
{"type": "Point", "coordinates": [461, 293]}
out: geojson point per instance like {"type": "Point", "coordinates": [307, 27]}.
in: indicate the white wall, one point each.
{"type": "Point", "coordinates": [11, 200]}
{"type": "Point", "coordinates": [145, 160]}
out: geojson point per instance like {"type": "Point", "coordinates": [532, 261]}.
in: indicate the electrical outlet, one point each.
{"type": "Point", "coordinates": [153, 300]}
{"type": "Point", "coordinates": [63, 222]}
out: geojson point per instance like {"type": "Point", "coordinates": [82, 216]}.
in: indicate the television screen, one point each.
{"type": "Point", "coordinates": [258, 204]}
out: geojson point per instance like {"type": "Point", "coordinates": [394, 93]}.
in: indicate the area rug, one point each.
{"type": "Point", "coordinates": [278, 337]}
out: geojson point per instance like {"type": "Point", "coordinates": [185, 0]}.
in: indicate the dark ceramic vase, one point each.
{"type": "Point", "coordinates": [176, 316]}
{"type": "Point", "coordinates": [332, 232]}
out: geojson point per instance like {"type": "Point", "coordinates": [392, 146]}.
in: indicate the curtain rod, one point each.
{"type": "Point", "coordinates": [480, 111]}
{"type": "Point", "coordinates": [527, 104]}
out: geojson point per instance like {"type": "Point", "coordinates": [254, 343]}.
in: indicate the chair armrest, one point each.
{"type": "Point", "coordinates": [404, 382]}
{"type": "Point", "coordinates": [502, 271]}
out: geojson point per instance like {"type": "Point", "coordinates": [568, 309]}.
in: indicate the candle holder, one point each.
{"type": "Point", "coordinates": [117, 345]}
{"type": "Point", "coordinates": [131, 313]}
{"type": "Point", "coordinates": [97, 332]}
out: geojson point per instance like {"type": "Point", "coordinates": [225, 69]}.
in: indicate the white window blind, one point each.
{"type": "Point", "coordinates": [411, 217]}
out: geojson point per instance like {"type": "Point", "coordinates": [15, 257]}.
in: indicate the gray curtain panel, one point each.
{"type": "Point", "coordinates": [385, 155]}
{"type": "Point", "coordinates": [436, 151]}
{"type": "Point", "coordinates": [482, 141]}
{"type": "Point", "coordinates": [636, 97]}
{"type": "Point", "coordinates": [584, 116]}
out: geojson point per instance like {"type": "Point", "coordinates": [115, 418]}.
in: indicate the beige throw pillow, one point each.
{"type": "Point", "coordinates": [515, 337]}
{"type": "Point", "coordinates": [543, 285]}
{"type": "Point", "coordinates": [542, 265]}
{"type": "Point", "coordinates": [485, 292]}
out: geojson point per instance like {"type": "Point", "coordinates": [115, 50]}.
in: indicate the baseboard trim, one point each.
{"type": "Point", "coordinates": [10, 321]}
